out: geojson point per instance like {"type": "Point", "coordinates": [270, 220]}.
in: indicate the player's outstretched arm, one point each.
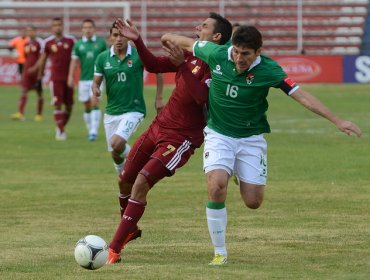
{"type": "Point", "coordinates": [314, 105]}
{"type": "Point", "coordinates": [183, 42]}
{"type": "Point", "coordinates": [127, 29]}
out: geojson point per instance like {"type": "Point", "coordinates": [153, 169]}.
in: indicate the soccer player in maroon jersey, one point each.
{"type": "Point", "coordinates": [58, 48]}
{"type": "Point", "coordinates": [176, 131]}
{"type": "Point", "coordinates": [30, 79]}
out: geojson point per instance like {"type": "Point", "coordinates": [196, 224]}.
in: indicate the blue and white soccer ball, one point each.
{"type": "Point", "coordinates": [91, 252]}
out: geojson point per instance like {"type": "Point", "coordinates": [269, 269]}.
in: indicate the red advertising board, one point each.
{"type": "Point", "coordinates": [312, 69]}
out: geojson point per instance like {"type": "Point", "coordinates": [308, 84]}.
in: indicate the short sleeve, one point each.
{"type": "Point", "coordinates": [98, 67]}
{"type": "Point", "coordinates": [204, 49]}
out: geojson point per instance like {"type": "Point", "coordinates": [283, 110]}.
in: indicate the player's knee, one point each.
{"type": "Point", "coordinates": [253, 204]}
{"type": "Point", "coordinates": [217, 192]}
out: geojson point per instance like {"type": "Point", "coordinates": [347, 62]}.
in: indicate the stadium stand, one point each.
{"type": "Point", "coordinates": [329, 27]}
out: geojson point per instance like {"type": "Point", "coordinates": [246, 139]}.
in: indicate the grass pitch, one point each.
{"type": "Point", "coordinates": [313, 224]}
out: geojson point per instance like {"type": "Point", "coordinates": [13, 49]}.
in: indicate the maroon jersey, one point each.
{"type": "Point", "coordinates": [59, 51]}
{"type": "Point", "coordinates": [184, 112]}
{"type": "Point", "coordinates": [32, 52]}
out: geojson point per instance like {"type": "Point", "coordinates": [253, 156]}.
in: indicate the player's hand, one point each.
{"type": "Point", "coordinates": [70, 82]}
{"type": "Point", "coordinates": [127, 29]}
{"type": "Point", "coordinates": [349, 128]}
{"type": "Point", "coordinates": [158, 105]}
{"type": "Point", "coordinates": [175, 53]}
{"type": "Point", "coordinates": [96, 91]}
{"type": "Point", "coordinates": [32, 70]}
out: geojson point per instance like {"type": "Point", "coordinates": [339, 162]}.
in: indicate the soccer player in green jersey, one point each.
{"type": "Point", "coordinates": [85, 51]}
{"type": "Point", "coordinates": [122, 70]}
{"type": "Point", "coordinates": [234, 142]}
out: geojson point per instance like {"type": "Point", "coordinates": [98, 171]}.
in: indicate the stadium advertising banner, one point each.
{"type": "Point", "coordinates": [302, 69]}
{"type": "Point", "coordinates": [312, 69]}
{"type": "Point", "coordinates": [356, 69]}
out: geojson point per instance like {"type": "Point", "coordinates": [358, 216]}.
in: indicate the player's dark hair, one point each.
{"type": "Point", "coordinates": [113, 26]}
{"type": "Point", "coordinates": [222, 26]}
{"type": "Point", "coordinates": [88, 20]}
{"type": "Point", "coordinates": [247, 37]}
{"type": "Point", "coordinates": [236, 24]}
{"type": "Point", "coordinates": [57, 19]}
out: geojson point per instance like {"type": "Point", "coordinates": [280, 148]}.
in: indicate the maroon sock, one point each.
{"type": "Point", "coordinates": [22, 103]}
{"type": "Point", "coordinates": [66, 116]}
{"type": "Point", "coordinates": [40, 103]}
{"type": "Point", "coordinates": [128, 224]}
{"type": "Point", "coordinates": [58, 117]}
{"type": "Point", "coordinates": [123, 200]}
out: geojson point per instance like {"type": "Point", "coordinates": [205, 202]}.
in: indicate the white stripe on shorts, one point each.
{"type": "Point", "coordinates": [177, 157]}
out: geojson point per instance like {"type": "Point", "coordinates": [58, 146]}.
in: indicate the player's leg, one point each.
{"type": "Point", "coordinates": [84, 97]}
{"type": "Point", "coordinates": [219, 158]}
{"type": "Point", "coordinates": [40, 101]}
{"type": "Point", "coordinates": [68, 102]}
{"type": "Point", "coordinates": [95, 114]}
{"type": "Point", "coordinates": [251, 168]}
{"type": "Point", "coordinates": [57, 92]}
{"type": "Point", "coordinates": [128, 124]}
{"type": "Point", "coordinates": [21, 105]}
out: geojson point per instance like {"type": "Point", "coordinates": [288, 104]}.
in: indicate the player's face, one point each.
{"type": "Point", "coordinates": [244, 57]}
{"type": "Point", "coordinates": [57, 27]}
{"type": "Point", "coordinates": [204, 31]}
{"type": "Point", "coordinates": [88, 29]}
{"type": "Point", "coordinates": [119, 41]}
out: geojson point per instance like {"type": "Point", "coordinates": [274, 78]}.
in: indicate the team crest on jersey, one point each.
{"type": "Point", "coordinates": [66, 46]}
{"type": "Point", "coordinates": [249, 78]}
{"type": "Point", "coordinates": [54, 48]}
{"type": "Point", "coordinates": [129, 63]}
{"type": "Point", "coordinates": [107, 66]}
{"type": "Point", "coordinates": [33, 48]}
{"type": "Point", "coordinates": [195, 70]}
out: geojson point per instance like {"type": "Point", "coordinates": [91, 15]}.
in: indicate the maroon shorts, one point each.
{"type": "Point", "coordinates": [157, 154]}
{"type": "Point", "coordinates": [61, 93]}
{"type": "Point", "coordinates": [29, 81]}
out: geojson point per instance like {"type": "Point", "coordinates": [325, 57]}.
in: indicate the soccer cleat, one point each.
{"type": "Point", "coordinates": [92, 137]}
{"type": "Point", "coordinates": [18, 116]}
{"type": "Point", "coordinates": [132, 236]}
{"type": "Point", "coordinates": [218, 260]}
{"type": "Point", "coordinates": [113, 257]}
{"type": "Point", "coordinates": [38, 118]}
{"type": "Point", "coordinates": [60, 136]}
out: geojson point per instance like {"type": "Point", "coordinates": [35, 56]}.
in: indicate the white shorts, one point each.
{"type": "Point", "coordinates": [85, 91]}
{"type": "Point", "coordinates": [244, 157]}
{"type": "Point", "coordinates": [122, 125]}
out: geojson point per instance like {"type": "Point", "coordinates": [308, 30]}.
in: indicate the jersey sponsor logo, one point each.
{"type": "Point", "coordinates": [201, 44]}
{"type": "Point", "coordinates": [89, 54]}
{"type": "Point", "coordinates": [129, 63]}
{"type": "Point", "coordinates": [194, 62]}
{"type": "Point", "coordinates": [217, 70]}
{"type": "Point", "coordinates": [249, 78]}
{"type": "Point", "coordinates": [107, 66]}
{"type": "Point", "coordinates": [195, 70]}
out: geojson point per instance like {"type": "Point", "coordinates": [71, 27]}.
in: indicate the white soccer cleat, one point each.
{"type": "Point", "coordinates": [218, 260]}
{"type": "Point", "coordinates": [60, 136]}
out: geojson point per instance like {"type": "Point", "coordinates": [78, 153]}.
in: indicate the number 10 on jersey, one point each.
{"type": "Point", "coordinates": [121, 77]}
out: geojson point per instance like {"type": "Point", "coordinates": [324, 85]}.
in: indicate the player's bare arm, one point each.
{"type": "Point", "coordinates": [72, 68]}
{"type": "Point", "coordinates": [96, 85]}
{"type": "Point", "coordinates": [314, 105]}
{"type": "Point", "coordinates": [183, 42]}
{"type": "Point", "coordinates": [127, 29]}
{"type": "Point", "coordinates": [158, 103]}
{"type": "Point", "coordinates": [40, 65]}
{"type": "Point", "coordinates": [175, 53]}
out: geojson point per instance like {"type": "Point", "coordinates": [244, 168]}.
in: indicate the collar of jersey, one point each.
{"type": "Point", "coordinates": [84, 39]}
{"type": "Point", "coordinates": [128, 51]}
{"type": "Point", "coordinates": [254, 64]}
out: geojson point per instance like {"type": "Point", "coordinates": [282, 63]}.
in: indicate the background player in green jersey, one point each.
{"type": "Point", "coordinates": [122, 70]}
{"type": "Point", "coordinates": [234, 142]}
{"type": "Point", "coordinates": [85, 51]}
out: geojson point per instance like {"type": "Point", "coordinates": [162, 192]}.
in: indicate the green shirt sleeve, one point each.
{"type": "Point", "coordinates": [204, 50]}
{"type": "Point", "coordinates": [98, 67]}
{"type": "Point", "coordinates": [75, 52]}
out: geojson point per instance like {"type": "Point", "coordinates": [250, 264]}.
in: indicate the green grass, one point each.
{"type": "Point", "coordinates": [314, 222]}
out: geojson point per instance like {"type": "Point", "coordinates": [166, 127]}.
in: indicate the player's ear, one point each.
{"type": "Point", "coordinates": [217, 37]}
{"type": "Point", "coordinates": [259, 51]}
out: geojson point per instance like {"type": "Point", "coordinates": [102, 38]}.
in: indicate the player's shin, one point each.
{"type": "Point", "coordinates": [95, 121]}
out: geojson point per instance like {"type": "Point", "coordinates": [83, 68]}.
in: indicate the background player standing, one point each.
{"type": "Point", "coordinates": [58, 48]}
{"type": "Point", "coordinates": [122, 70]}
{"type": "Point", "coordinates": [30, 79]}
{"type": "Point", "coordinates": [18, 43]}
{"type": "Point", "coordinates": [85, 52]}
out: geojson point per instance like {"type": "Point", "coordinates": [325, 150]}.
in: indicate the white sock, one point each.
{"type": "Point", "coordinates": [118, 167]}
{"type": "Point", "coordinates": [87, 119]}
{"type": "Point", "coordinates": [217, 221]}
{"type": "Point", "coordinates": [95, 121]}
